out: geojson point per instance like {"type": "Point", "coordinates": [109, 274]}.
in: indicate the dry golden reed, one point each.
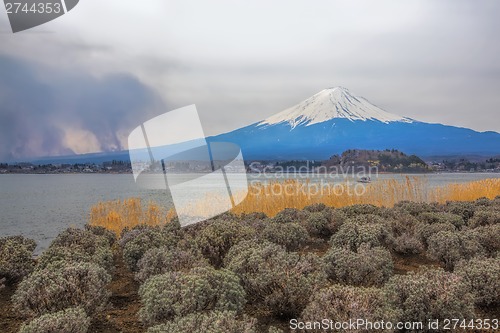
{"type": "Point", "coordinates": [273, 197]}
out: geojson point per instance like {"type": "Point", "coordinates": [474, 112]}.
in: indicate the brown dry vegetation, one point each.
{"type": "Point", "coordinates": [273, 197]}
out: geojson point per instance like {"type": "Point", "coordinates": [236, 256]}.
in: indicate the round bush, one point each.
{"type": "Point", "coordinates": [173, 294]}
{"type": "Point", "coordinates": [484, 217]}
{"type": "Point", "coordinates": [289, 215]}
{"type": "Point", "coordinates": [425, 231]}
{"type": "Point", "coordinates": [416, 208]}
{"type": "Point", "coordinates": [344, 303]}
{"type": "Point", "coordinates": [451, 247]}
{"type": "Point", "coordinates": [162, 260]}
{"type": "Point", "coordinates": [144, 239]}
{"type": "Point", "coordinates": [367, 267]}
{"type": "Point", "coordinates": [430, 294]}
{"type": "Point", "coordinates": [335, 218]}
{"type": "Point", "coordinates": [290, 235]}
{"type": "Point", "coordinates": [360, 209]}
{"type": "Point", "coordinates": [317, 225]}
{"type": "Point", "coordinates": [488, 237]}
{"type": "Point", "coordinates": [16, 257]}
{"type": "Point", "coordinates": [278, 280]}
{"type": "Point", "coordinates": [210, 322]}
{"type": "Point", "coordinates": [482, 276]}
{"type": "Point", "coordinates": [463, 209]}
{"type": "Point", "coordinates": [405, 230]}
{"type": "Point", "coordinates": [317, 207]}
{"type": "Point", "coordinates": [71, 320]}
{"type": "Point", "coordinates": [102, 232]}
{"type": "Point", "coordinates": [102, 256]}
{"type": "Point", "coordinates": [61, 286]}
{"type": "Point", "coordinates": [84, 239]}
{"type": "Point", "coordinates": [369, 229]}
{"type": "Point", "coordinates": [216, 238]}
{"type": "Point", "coordinates": [442, 217]}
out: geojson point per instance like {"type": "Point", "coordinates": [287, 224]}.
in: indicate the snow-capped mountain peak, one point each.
{"type": "Point", "coordinates": [331, 103]}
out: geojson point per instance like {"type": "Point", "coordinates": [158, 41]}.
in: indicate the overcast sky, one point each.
{"type": "Point", "coordinates": [82, 82]}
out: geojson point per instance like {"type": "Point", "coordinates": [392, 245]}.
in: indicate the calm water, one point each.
{"type": "Point", "coordinates": [41, 206]}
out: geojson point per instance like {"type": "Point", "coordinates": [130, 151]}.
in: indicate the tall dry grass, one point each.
{"type": "Point", "coordinates": [120, 214]}
{"type": "Point", "coordinates": [273, 197]}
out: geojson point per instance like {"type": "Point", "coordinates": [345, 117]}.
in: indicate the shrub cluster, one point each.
{"type": "Point", "coordinates": [416, 208]}
{"type": "Point", "coordinates": [450, 247]}
{"type": "Point", "coordinates": [431, 293]}
{"type": "Point", "coordinates": [163, 259]}
{"type": "Point", "coordinates": [77, 245]}
{"type": "Point", "coordinates": [279, 281]}
{"type": "Point", "coordinates": [363, 229]}
{"type": "Point", "coordinates": [138, 241]}
{"type": "Point", "coordinates": [344, 303]}
{"type": "Point", "coordinates": [485, 217]}
{"type": "Point", "coordinates": [210, 322]}
{"type": "Point", "coordinates": [216, 238]}
{"type": "Point", "coordinates": [61, 286]}
{"type": "Point", "coordinates": [16, 257]}
{"type": "Point", "coordinates": [442, 218]}
{"type": "Point", "coordinates": [73, 320]}
{"type": "Point", "coordinates": [290, 235]}
{"type": "Point", "coordinates": [366, 267]}
{"type": "Point", "coordinates": [175, 294]}
{"type": "Point", "coordinates": [482, 276]}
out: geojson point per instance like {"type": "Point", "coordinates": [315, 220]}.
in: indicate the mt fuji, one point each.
{"type": "Point", "coordinates": [335, 120]}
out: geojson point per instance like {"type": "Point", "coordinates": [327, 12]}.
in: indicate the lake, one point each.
{"type": "Point", "coordinates": [41, 206]}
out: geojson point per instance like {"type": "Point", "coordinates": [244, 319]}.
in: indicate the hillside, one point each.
{"type": "Point", "coordinates": [385, 160]}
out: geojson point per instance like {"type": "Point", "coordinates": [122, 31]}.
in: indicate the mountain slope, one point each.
{"type": "Point", "coordinates": [334, 120]}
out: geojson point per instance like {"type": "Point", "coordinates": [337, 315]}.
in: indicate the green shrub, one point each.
{"type": "Point", "coordinates": [71, 320]}
{"type": "Point", "coordinates": [360, 209]}
{"type": "Point", "coordinates": [416, 208]}
{"type": "Point", "coordinates": [314, 208]}
{"type": "Point", "coordinates": [369, 229]}
{"type": "Point", "coordinates": [16, 257]}
{"type": "Point", "coordinates": [317, 225]}
{"type": "Point", "coordinates": [60, 286]}
{"type": "Point", "coordinates": [484, 217]}
{"type": "Point", "coordinates": [289, 215]}
{"type": "Point", "coordinates": [425, 231]}
{"type": "Point", "coordinates": [463, 209]}
{"type": "Point", "coordinates": [442, 217]}
{"type": "Point", "coordinates": [483, 202]}
{"type": "Point", "coordinates": [163, 259]}
{"type": "Point", "coordinates": [102, 256]}
{"type": "Point", "coordinates": [344, 303]}
{"type": "Point", "coordinates": [290, 235]}
{"type": "Point", "coordinates": [137, 241]}
{"type": "Point", "coordinates": [405, 230]}
{"type": "Point", "coordinates": [173, 294]}
{"type": "Point", "coordinates": [367, 267]}
{"type": "Point", "coordinates": [430, 294]}
{"type": "Point", "coordinates": [335, 218]}
{"type": "Point", "coordinates": [102, 232]}
{"type": "Point", "coordinates": [217, 237]}
{"type": "Point", "coordinates": [278, 280]}
{"type": "Point", "coordinates": [210, 322]}
{"type": "Point", "coordinates": [84, 239]}
{"type": "Point", "coordinates": [482, 276]}
{"type": "Point", "coordinates": [451, 247]}
{"type": "Point", "coordinates": [488, 237]}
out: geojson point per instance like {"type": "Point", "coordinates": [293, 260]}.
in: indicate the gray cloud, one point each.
{"type": "Point", "coordinates": [241, 61]}
{"type": "Point", "coordinates": [40, 108]}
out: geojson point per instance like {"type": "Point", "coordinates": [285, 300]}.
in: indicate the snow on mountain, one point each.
{"type": "Point", "coordinates": [329, 104]}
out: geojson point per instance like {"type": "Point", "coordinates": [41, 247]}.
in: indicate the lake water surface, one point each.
{"type": "Point", "coordinates": [41, 206]}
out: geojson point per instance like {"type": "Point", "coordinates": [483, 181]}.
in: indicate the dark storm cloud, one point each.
{"type": "Point", "coordinates": [36, 105]}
